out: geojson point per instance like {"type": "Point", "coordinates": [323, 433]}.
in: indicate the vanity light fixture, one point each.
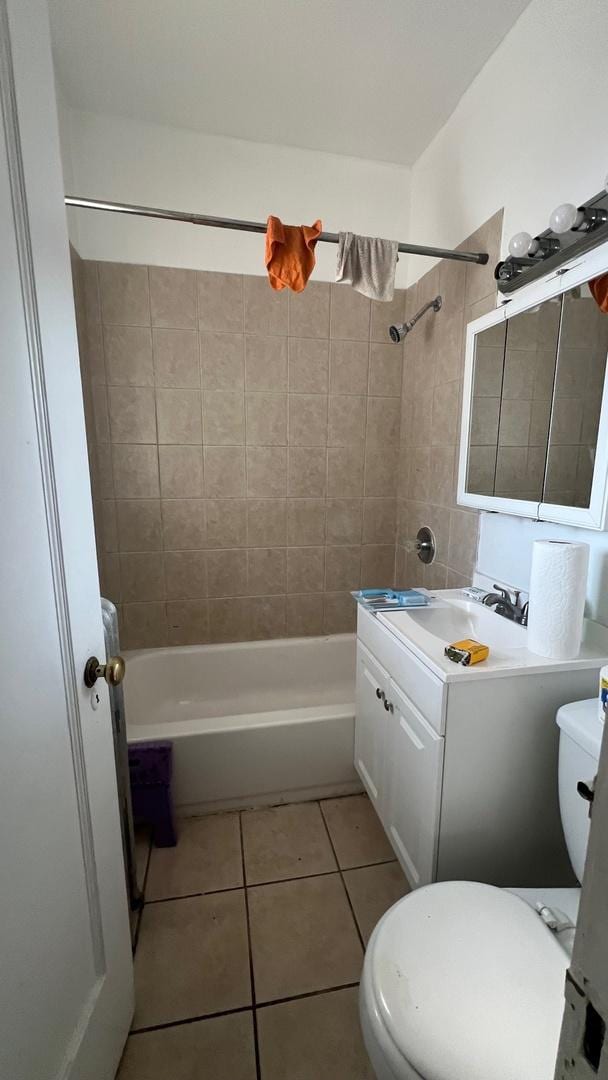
{"type": "Point", "coordinates": [524, 245]}
{"type": "Point", "coordinates": [570, 218]}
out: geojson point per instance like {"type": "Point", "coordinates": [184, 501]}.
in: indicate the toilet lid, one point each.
{"type": "Point", "coordinates": [469, 983]}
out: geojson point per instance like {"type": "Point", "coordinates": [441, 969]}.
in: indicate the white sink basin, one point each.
{"type": "Point", "coordinates": [454, 618]}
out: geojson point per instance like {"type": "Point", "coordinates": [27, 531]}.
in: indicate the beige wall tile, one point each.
{"type": "Point", "coordinates": [308, 366]}
{"type": "Point", "coordinates": [480, 279]}
{"type": "Point", "coordinates": [378, 520]}
{"type": "Point", "coordinates": [266, 522]}
{"type": "Point", "coordinates": [443, 475]}
{"type": "Point", "coordinates": [139, 524]}
{"type": "Point", "coordinates": [385, 314]}
{"type": "Point", "coordinates": [342, 568]}
{"type": "Point", "coordinates": [266, 571]}
{"type": "Point", "coordinates": [124, 294]}
{"type": "Point", "coordinates": [142, 577]}
{"type": "Point", "coordinates": [95, 361]}
{"type": "Point", "coordinates": [135, 470]}
{"type": "Point", "coordinates": [309, 311]}
{"type": "Point", "coordinates": [176, 358]}
{"type": "Point", "coordinates": [385, 369]}
{"type": "Point", "coordinates": [101, 416]}
{"type": "Point", "coordinates": [348, 367]}
{"type": "Point", "coordinates": [344, 519]}
{"type": "Point", "coordinates": [381, 470]}
{"type": "Point", "coordinates": [307, 468]}
{"type": "Point", "coordinates": [173, 297]}
{"type": "Point", "coordinates": [266, 471]}
{"type": "Point", "coordinates": [181, 472]}
{"type": "Point", "coordinates": [304, 615]}
{"type": "Point", "coordinates": [308, 419]}
{"type": "Point", "coordinates": [463, 541]}
{"type": "Point", "coordinates": [484, 421]}
{"type": "Point", "coordinates": [220, 301]}
{"type": "Point", "coordinates": [109, 525]}
{"type": "Point", "coordinates": [305, 569]}
{"type": "Point", "coordinates": [265, 309]}
{"type": "Point", "coordinates": [514, 428]}
{"type": "Point", "coordinates": [265, 363]}
{"type": "Point", "coordinates": [435, 576]}
{"type": "Point", "coordinates": [109, 576]}
{"type": "Point", "coordinates": [266, 419]}
{"type": "Point", "coordinates": [449, 364]}
{"type": "Point", "coordinates": [223, 418]}
{"type": "Point", "coordinates": [350, 314]}
{"type": "Point", "coordinates": [345, 471]}
{"type": "Point", "coordinates": [339, 613]}
{"type": "Point", "coordinates": [227, 572]}
{"type": "Point", "coordinates": [377, 566]}
{"type": "Point", "coordinates": [144, 626]}
{"type": "Point", "coordinates": [452, 280]}
{"type": "Point", "coordinates": [179, 416]}
{"type": "Point", "coordinates": [186, 574]}
{"type": "Point", "coordinates": [229, 620]}
{"type": "Point", "coordinates": [267, 617]}
{"type": "Point", "coordinates": [383, 420]}
{"type": "Point", "coordinates": [446, 414]}
{"type": "Point", "coordinates": [188, 622]}
{"type": "Point", "coordinates": [482, 466]}
{"type": "Point", "coordinates": [183, 523]}
{"type": "Point", "coordinates": [90, 284]}
{"type": "Point", "coordinates": [224, 472]}
{"type": "Point", "coordinates": [128, 355]}
{"type": "Point", "coordinates": [222, 361]}
{"type": "Point", "coordinates": [305, 521]}
{"type": "Point", "coordinates": [346, 420]}
{"type": "Point", "coordinates": [132, 414]}
{"type": "Point", "coordinates": [226, 523]}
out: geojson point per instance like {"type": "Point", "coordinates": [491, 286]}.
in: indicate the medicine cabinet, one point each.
{"type": "Point", "coordinates": [534, 437]}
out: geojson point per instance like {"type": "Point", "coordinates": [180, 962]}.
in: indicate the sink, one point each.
{"type": "Point", "coordinates": [452, 619]}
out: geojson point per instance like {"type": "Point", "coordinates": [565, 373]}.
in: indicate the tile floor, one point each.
{"type": "Point", "coordinates": [251, 941]}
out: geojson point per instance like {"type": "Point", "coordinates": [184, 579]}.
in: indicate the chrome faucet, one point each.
{"type": "Point", "coordinates": [507, 602]}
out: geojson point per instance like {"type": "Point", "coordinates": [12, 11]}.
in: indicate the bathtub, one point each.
{"type": "Point", "coordinates": [251, 723]}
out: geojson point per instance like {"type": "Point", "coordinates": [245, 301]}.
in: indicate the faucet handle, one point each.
{"type": "Point", "coordinates": [510, 595]}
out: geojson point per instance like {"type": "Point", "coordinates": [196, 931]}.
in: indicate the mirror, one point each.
{"type": "Point", "coordinates": [577, 400]}
{"type": "Point", "coordinates": [535, 401]}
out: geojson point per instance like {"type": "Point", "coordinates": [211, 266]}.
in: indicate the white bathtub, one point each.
{"type": "Point", "coordinates": [254, 723]}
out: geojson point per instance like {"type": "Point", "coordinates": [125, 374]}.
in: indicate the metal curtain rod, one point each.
{"type": "Point", "coordinates": [255, 227]}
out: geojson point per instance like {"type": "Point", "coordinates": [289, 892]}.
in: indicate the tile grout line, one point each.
{"type": "Point", "coordinates": [256, 1045]}
{"type": "Point", "coordinates": [352, 910]}
{"type": "Point", "coordinates": [274, 881]}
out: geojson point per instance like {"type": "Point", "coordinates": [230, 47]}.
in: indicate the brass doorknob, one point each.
{"type": "Point", "coordinates": [113, 671]}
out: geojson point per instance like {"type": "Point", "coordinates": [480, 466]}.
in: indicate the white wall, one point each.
{"type": "Point", "coordinates": [115, 158]}
{"type": "Point", "coordinates": [528, 134]}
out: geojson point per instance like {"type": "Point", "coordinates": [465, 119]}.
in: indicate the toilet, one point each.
{"type": "Point", "coordinates": [465, 981]}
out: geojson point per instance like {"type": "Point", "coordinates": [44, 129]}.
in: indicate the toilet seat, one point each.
{"type": "Point", "coordinates": [464, 981]}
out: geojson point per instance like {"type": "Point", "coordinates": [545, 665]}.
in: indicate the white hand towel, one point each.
{"type": "Point", "coordinates": [368, 264]}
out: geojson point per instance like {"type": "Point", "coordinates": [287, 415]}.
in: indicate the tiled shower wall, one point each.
{"type": "Point", "coordinates": [430, 416]}
{"type": "Point", "coordinates": [244, 450]}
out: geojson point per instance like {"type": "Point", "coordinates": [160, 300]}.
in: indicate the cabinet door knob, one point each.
{"type": "Point", "coordinates": [388, 705]}
{"type": "Point", "coordinates": [380, 694]}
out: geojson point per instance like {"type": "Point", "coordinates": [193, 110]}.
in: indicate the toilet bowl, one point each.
{"type": "Point", "coordinates": [465, 981]}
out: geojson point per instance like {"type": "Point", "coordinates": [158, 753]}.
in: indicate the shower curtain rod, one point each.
{"type": "Point", "coordinates": [255, 227]}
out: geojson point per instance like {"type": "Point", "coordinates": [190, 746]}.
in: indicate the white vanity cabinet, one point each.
{"type": "Point", "coordinates": [462, 768]}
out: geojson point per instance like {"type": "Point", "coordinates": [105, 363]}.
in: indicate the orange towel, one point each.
{"type": "Point", "coordinates": [599, 291]}
{"type": "Point", "coordinates": [290, 253]}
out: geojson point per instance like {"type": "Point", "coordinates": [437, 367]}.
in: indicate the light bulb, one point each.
{"type": "Point", "coordinates": [519, 245]}
{"type": "Point", "coordinates": [565, 217]}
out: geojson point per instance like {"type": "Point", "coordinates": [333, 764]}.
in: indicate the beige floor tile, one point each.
{"type": "Point", "coordinates": [303, 937]}
{"type": "Point", "coordinates": [356, 832]}
{"type": "Point", "coordinates": [373, 890]}
{"type": "Point", "coordinates": [218, 1049]}
{"type": "Point", "coordinates": [316, 1038]}
{"type": "Point", "coordinates": [192, 959]}
{"type": "Point", "coordinates": [207, 857]}
{"type": "Point", "coordinates": [285, 842]}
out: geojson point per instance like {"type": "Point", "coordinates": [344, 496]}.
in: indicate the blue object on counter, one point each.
{"type": "Point", "coordinates": [390, 599]}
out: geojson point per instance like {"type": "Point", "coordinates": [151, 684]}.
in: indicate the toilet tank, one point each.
{"type": "Point", "coordinates": [581, 731]}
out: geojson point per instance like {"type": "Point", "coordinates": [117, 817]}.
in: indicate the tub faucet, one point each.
{"type": "Point", "coordinates": [507, 602]}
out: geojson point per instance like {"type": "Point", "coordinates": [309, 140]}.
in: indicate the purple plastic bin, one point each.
{"type": "Point", "coordinates": [150, 772]}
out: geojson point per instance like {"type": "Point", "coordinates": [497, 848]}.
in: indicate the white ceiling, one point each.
{"type": "Point", "coordinates": [371, 78]}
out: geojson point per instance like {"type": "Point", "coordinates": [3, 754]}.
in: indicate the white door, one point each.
{"type": "Point", "coordinates": [66, 987]}
{"type": "Point", "coordinates": [415, 765]}
{"type": "Point", "coordinates": [370, 724]}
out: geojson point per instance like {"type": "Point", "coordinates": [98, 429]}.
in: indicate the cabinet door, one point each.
{"type": "Point", "coordinates": [370, 725]}
{"type": "Point", "coordinates": [414, 768]}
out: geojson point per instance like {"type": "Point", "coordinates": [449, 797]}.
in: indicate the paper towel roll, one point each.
{"type": "Point", "coordinates": [558, 586]}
